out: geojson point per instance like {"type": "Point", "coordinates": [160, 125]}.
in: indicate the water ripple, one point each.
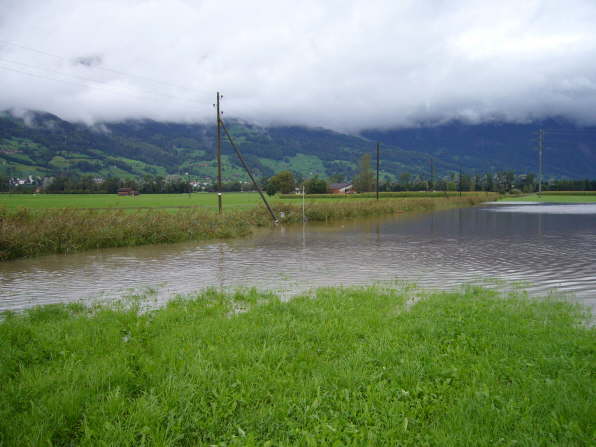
{"type": "Point", "coordinates": [544, 251]}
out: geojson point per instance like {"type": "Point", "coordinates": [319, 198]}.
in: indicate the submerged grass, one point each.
{"type": "Point", "coordinates": [364, 366]}
{"type": "Point", "coordinates": [27, 233]}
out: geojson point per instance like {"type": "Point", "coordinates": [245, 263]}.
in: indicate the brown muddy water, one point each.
{"type": "Point", "coordinates": [540, 247]}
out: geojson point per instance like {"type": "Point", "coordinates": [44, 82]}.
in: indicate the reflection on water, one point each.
{"type": "Point", "coordinates": [545, 250]}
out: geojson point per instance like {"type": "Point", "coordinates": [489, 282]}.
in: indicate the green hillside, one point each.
{"type": "Point", "coordinates": [569, 149]}
{"type": "Point", "coordinates": [44, 145]}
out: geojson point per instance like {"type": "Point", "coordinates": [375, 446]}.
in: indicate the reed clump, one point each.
{"type": "Point", "coordinates": [27, 233]}
{"type": "Point", "coordinates": [361, 366]}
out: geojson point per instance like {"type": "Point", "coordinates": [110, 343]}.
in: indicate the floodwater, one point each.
{"type": "Point", "coordinates": [544, 247]}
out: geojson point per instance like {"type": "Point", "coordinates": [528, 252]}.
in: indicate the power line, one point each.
{"type": "Point", "coordinates": [578, 132]}
{"type": "Point", "coordinates": [98, 85]}
{"type": "Point", "coordinates": [84, 79]}
{"type": "Point", "coordinates": [112, 70]}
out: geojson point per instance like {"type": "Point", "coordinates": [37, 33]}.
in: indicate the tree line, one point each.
{"type": "Point", "coordinates": [287, 182]}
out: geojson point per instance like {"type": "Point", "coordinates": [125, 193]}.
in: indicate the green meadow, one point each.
{"type": "Point", "coordinates": [557, 197]}
{"type": "Point", "coordinates": [112, 201]}
{"type": "Point", "coordinates": [233, 200]}
{"type": "Point", "coordinates": [359, 366]}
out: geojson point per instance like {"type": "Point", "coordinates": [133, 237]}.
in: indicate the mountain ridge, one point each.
{"type": "Point", "coordinates": [43, 144]}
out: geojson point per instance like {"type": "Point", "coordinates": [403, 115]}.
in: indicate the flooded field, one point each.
{"type": "Point", "coordinates": [541, 247]}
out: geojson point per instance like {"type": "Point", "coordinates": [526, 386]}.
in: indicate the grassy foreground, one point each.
{"type": "Point", "coordinates": [26, 233]}
{"type": "Point", "coordinates": [363, 366]}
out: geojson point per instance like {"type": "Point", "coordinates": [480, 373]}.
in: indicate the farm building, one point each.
{"type": "Point", "coordinates": [341, 188]}
{"type": "Point", "coordinates": [127, 192]}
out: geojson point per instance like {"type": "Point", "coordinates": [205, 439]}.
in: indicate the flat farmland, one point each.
{"type": "Point", "coordinates": [235, 200]}
{"type": "Point", "coordinates": [556, 197]}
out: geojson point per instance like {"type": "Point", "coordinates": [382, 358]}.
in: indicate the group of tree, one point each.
{"type": "Point", "coordinates": [501, 181]}
{"type": "Point", "coordinates": [285, 182]}
{"type": "Point", "coordinates": [364, 181]}
{"type": "Point", "coordinates": [88, 184]}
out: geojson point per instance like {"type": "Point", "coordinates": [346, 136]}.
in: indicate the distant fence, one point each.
{"type": "Point", "coordinates": [384, 195]}
{"type": "Point", "coordinates": [569, 193]}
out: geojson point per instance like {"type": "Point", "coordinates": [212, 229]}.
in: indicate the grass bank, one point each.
{"type": "Point", "coordinates": [364, 366]}
{"type": "Point", "coordinates": [27, 233]}
{"type": "Point", "coordinates": [557, 197]}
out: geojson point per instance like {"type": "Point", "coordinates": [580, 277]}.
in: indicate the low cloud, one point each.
{"type": "Point", "coordinates": [337, 64]}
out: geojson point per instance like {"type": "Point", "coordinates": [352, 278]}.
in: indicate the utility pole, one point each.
{"type": "Point", "coordinates": [378, 163]}
{"type": "Point", "coordinates": [432, 175]}
{"type": "Point", "coordinates": [65, 152]}
{"type": "Point", "coordinates": [218, 155]}
{"type": "Point", "coordinates": [303, 213]}
{"type": "Point", "coordinates": [540, 159]}
{"type": "Point", "coordinates": [189, 185]}
{"type": "Point", "coordinates": [460, 181]}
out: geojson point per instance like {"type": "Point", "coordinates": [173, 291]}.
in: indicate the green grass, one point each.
{"type": "Point", "coordinates": [91, 201]}
{"type": "Point", "coordinates": [567, 197]}
{"type": "Point", "coordinates": [364, 366]}
{"type": "Point", "coordinates": [234, 200]}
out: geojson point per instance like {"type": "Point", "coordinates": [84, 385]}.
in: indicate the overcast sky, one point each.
{"type": "Point", "coordinates": [345, 65]}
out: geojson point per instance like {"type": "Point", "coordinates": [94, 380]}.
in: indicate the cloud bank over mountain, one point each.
{"type": "Point", "coordinates": [346, 65]}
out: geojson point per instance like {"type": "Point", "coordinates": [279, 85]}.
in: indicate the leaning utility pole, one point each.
{"type": "Point", "coordinates": [254, 182]}
{"type": "Point", "coordinates": [218, 155]}
{"type": "Point", "coordinates": [378, 157]}
{"type": "Point", "coordinates": [540, 159]}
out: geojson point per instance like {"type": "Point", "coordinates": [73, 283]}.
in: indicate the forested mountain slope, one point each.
{"type": "Point", "coordinates": [42, 144]}
{"type": "Point", "coordinates": [569, 150]}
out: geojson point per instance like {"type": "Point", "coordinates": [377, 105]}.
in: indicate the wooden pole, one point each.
{"type": "Point", "coordinates": [378, 162]}
{"type": "Point", "coordinates": [540, 159]}
{"type": "Point", "coordinates": [218, 155]}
